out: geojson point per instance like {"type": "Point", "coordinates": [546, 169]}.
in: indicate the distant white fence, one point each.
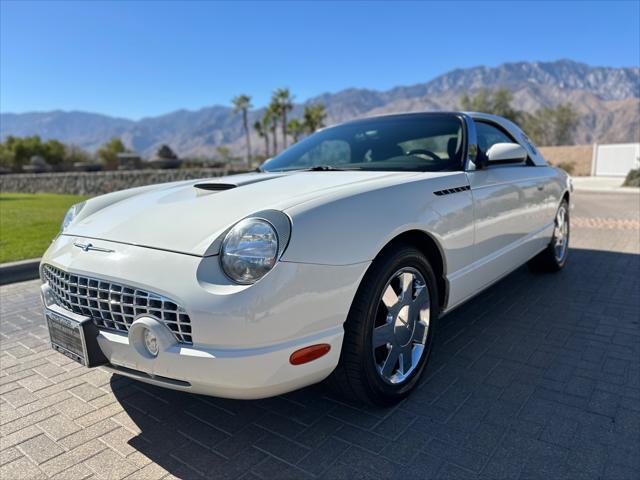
{"type": "Point", "coordinates": [615, 160]}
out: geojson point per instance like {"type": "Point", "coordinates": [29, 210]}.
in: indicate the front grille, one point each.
{"type": "Point", "coordinates": [113, 306]}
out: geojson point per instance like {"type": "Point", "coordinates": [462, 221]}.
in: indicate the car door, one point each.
{"type": "Point", "coordinates": [509, 208]}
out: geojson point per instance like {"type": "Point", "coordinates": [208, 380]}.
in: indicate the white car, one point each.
{"type": "Point", "coordinates": [336, 259]}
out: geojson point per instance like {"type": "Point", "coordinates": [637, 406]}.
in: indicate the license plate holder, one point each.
{"type": "Point", "coordinates": [75, 337]}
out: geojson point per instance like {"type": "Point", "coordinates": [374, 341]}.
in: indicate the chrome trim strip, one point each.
{"type": "Point", "coordinates": [140, 375]}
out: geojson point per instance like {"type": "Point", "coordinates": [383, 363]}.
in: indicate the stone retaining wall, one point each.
{"type": "Point", "coordinates": [96, 183]}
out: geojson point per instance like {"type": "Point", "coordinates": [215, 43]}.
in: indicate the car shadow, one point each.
{"type": "Point", "coordinates": [498, 338]}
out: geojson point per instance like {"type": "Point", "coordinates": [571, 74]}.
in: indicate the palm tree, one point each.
{"type": "Point", "coordinates": [242, 103]}
{"type": "Point", "coordinates": [284, 100]}
{"type": "Point", "coordinates": [314, 117]}
{"type": "Point", "coordinates": [295, 128]}
{"type": "Point", "coordinates": [263, 132]}
{"type": "Point", "coordinates": [272, 118]}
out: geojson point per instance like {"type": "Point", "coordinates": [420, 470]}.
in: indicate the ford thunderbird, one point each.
{"type": "Point", "coordinates": [333, 260]}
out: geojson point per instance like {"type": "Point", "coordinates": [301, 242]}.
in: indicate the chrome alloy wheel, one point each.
{"type": "Point", "coordinates": [561, 234]}
{"type": "Point", "coordinates": [401, 325]}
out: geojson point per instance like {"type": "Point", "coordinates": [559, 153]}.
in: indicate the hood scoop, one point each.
{"type": "Point", "coordinates": [240, 180]}
{"type": "Point", "coordinates": [214, 186]}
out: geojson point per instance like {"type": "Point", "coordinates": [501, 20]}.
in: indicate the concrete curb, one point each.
{"type": "Point", "coordinates": [601, 185]}
{"type": "Point", "coordinates": [20, 271]}
{"type": "Point", "coordinates": [623, 190]}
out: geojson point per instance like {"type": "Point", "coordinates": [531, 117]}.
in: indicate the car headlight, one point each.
{"type": "Point", "coordinates": [249, 250]}
{"type": "Point", "coordinates": [71, 215]}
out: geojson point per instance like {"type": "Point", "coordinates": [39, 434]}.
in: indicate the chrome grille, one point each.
{"type": "Point", "coordinates": [113, 306]}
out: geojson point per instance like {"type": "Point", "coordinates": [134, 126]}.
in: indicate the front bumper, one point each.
{"type": "Point", "coordinates": [243, 336]}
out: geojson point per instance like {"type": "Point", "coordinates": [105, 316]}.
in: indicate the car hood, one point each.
{"type": "Point", "coordinates": [187, 217]}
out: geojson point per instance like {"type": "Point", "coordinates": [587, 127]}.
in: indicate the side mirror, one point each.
{"type": "Point", "coordinates": [506, 152]}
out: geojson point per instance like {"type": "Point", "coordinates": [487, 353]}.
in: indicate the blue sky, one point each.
{"type": "Point", "coordinates": [136, 59]}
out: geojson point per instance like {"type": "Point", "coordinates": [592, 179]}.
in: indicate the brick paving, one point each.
{"type": "Point", "coordinates": [539, 377]}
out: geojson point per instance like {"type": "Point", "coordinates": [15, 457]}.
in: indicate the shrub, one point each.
{"type": "Point", "coordinates": [567, 167]}
{"type": "Point", "coordinates": [633, 178]}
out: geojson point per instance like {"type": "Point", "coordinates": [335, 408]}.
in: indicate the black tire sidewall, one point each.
{"type": "Point", "coordinates": [403, 256]}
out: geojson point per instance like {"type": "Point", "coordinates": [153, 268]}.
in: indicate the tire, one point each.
{"type": "Point", "coordinates": [365, 373]}
{"type": "Point", "coordinates": [550, 260]}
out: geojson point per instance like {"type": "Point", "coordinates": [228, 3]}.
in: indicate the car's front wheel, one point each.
{"type": "Point", "coordinates": [389, 329]}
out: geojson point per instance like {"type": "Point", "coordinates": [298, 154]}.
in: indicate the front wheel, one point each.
{"type": "Point", "coordinates": [554, 257]}
{"type": "Point", "coordinates": [389, 329]}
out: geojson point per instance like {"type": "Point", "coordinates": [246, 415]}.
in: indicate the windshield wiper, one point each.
{"type": "Point", "coordinates": [326, 168]}
{"type": "Point", "coordinates": [316, 168]}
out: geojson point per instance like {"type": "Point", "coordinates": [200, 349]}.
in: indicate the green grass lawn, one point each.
{"type": "Point", "coordinates": [28, 223]}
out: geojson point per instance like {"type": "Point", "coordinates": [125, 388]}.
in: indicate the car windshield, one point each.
{"type": "Point", "coordinates": [423, 143]}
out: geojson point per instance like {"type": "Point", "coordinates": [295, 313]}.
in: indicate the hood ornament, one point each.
{"type": "Point", "coordinates": [85, 247]}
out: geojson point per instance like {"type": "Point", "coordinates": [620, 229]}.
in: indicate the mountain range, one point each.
{"type": "Point", "coordinates": [607, 99]}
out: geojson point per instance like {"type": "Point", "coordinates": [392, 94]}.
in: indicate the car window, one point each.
{"type": "Point", "coordinates": [331, 152]}
{"type": "Point", "coordinates": [488, 135]}
{"type": "Point", "coordinates": [431, 142]}
{"type": "Point", "coordinates": [445, 146]}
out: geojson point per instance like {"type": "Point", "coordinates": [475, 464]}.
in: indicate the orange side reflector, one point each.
{"type": "Point", "coordinates": [308, 354]}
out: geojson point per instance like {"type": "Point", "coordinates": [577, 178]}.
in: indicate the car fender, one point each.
{"type": "Point", "coordinates": [355, 228]}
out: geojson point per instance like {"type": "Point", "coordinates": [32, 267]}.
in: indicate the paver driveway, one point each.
{"type": "Point", "coordinates": [539, 377]}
